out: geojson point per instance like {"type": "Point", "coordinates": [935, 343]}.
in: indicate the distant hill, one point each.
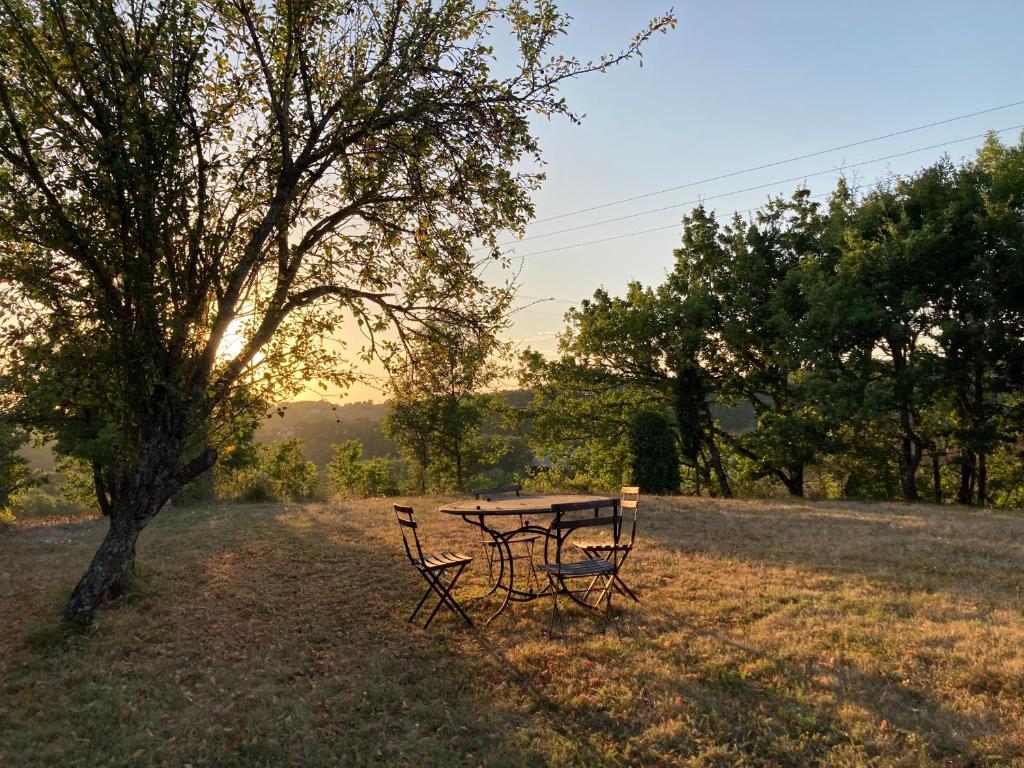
{"type": "Point", "coordinates": [319, 425]}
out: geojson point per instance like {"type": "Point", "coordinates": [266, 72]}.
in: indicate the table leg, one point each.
{"type": "Point", "coordinates": [506, 565]}
{"type": "Point", "coordinates": [505, 555]}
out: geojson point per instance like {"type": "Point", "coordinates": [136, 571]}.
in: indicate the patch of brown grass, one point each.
{"type": "Point", "coordinates": [785, 634]}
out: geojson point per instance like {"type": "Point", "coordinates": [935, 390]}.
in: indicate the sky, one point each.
{"type": "Point", "coordinates": [739, 84]}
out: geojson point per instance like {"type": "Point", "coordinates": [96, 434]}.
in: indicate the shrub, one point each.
{"type": "Point", "coordinates": [351, 475]}
{"type": "Point", "coordinates": [289, 475]}
{"type": "Point", "coordinates": [653, 453]}
{"type": "Point", "coordinates": [35, 502]}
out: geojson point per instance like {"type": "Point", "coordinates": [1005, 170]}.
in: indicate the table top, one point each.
{"type": "Point", "coordinates": [514, 505]}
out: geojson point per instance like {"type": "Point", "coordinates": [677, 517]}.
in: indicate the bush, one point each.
{"type": "Point", "coordinates": [278, 472]}
{"type": "Point", "coordinates": [653, 453]}
{"type": "Point", "coordinates": [351, 475]}
{"type": "Point", "coordinates": [290, 476]}
{"type": "Point", "coordinates": [35, 502]}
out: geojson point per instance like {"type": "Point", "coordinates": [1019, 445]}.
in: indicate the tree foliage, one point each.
{"type": "Point", "coordinates": [16, 476]}
{"type": "Point", "coordinates": [439, 406]}
{"type": "Point", "coordinates": [654, 454]}
{"type": "Point", "coordinates": [353, 475]}
{"type": "Point", "coordinates": [874, 338]}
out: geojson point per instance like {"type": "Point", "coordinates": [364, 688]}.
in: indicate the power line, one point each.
{"type": "Point", "coordinates": [698, 200]}
{"type": "Point", "coordinates": [809, 155]}
{"type": "Point", "coordinates": [541, 299]}
{"type": "Point", "coordinates": [726, 194]}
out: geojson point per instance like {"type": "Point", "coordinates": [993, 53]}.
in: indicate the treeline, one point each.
{"type": "Point", "coordinates": [878, 338]}
{"type": "Point", "coordinates": [864, 346]}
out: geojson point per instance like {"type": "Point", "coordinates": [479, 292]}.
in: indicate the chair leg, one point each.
{"type": "Point", "coordinates": [555, 613]}
{"type": "Point", "coordinates": [453, 603]}
{"type": "Point", "coordinates": [608, 611]}
{"type": "Point", "coordinates": [621, 587]}
{"type": "Point", "coordinates": [590, 588]}
{"type": "Point", "coordinates": [421, 602]}
{"type": "Point", "coordinates": [444, 593]}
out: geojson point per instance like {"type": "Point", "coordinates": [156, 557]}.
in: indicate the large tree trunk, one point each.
{"type": "Point", "coordinates": [910, 443]}
{"type": "Point", "coordinates": [138, 492]}
{"type": "Point", "coordinates": [912, 452]}
{"type": "Point", "coordinates": [793, 479]}
{"type": "Point", "coordinates": [937, 478]}
{"type": "Point", "coordinates": [107, 575]}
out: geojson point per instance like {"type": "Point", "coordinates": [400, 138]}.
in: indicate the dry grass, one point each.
{"type": "Point", "coordinates": [785, 634]}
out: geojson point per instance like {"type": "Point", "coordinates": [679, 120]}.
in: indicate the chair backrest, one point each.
{"type": "Point", "coordinates": [629, 498]}
{"type": "Point", "coordinates": [408, 526]}
{"type": "Point", "coordinates": [501, 490]}
{"type": "Point", "coordinates": [572, 516]}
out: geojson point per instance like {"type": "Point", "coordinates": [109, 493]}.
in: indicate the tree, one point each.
{"type": "Point", "coordinates": [976, 231]}
{"type": "Point", "coordinates": [410, 424]}
{"type": "Point", "coordinates": [578, 421]}
{"type": "Point", "coordinates": [919, 318]}
{"type": "Point", "coordinates": [654, 453]}
{"type": "Point", "coordinates": [351, 474]}
{"type": "Point", "coordinates": [650, 348]}
{"type": "Point", "coordinates": [196, 194]}
{"type": "Point", "coordinates": [750, 273]}
{"type": "Point", "coordinates": [289, 475]}
{"type": "Point", "coordinates": [438, 405]}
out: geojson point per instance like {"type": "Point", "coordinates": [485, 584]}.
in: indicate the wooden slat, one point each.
{"type": "Point", "coordinates": [575, 506]}
{"type": "Point", "coordinates": [629, 496]}
{"type": "Point", "coordinates": [586, 522]}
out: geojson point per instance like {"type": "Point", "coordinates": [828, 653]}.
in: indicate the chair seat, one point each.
{"type": "Point", "coordinates": [601, 546]}
{"type": "Point", "coordinates": [582, 569]}
{"type": "Point", "coordinates": [517, 538]}
{"type": "Point", "coordinates": [445, 560]}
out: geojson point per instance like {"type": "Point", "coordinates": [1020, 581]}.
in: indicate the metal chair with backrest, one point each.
{"type": "Point", "coordinates": [605, 514]}
{"type": "Point", "coordinates": [523, 541]}
{"type": "Point", "coordinates": [433, 568]}
{"type": "Point", "coordinates": [629, 499]}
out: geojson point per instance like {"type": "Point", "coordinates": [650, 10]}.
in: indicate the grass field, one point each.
{"type": "Point", "coordinates": [770, 634]}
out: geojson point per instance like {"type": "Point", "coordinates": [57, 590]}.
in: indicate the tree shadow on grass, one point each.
{"type": "Point", "coordinates": [777, 703]}
{"type": "Point", "coordinates": [821, 567]}
{"type": "Point", "coordinates": [911, 548]}
{"type": "Point", "coordinates": [280, 641]}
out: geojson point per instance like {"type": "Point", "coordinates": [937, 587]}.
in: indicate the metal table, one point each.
{"type": "Point", "coordinates": [479, 512]}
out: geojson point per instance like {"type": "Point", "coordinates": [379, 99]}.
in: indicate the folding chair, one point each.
{"type": "Point", "coordinates": [520, 544]}
{"type": "Point", "coordinates": [562, 574]}
{"type": "Point", "coordinates": [433, 568]}
{"type": "Point", "coordinates": [629, 498]}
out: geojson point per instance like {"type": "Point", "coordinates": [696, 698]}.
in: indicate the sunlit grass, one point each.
{"type": "Point", "coordinates": [769, 634]}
